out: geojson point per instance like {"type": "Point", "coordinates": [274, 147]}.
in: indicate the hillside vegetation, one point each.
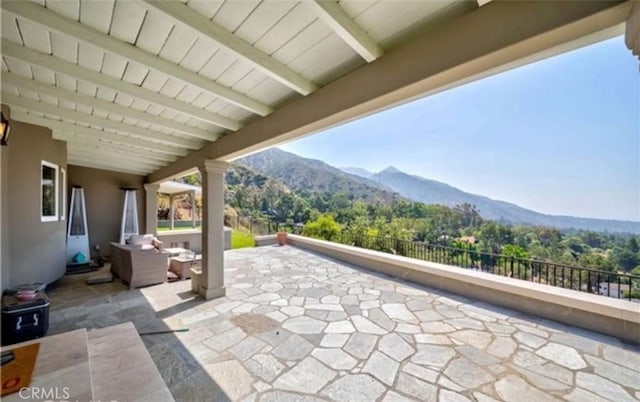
{"type": "Point", "coordinates": [281, 187]}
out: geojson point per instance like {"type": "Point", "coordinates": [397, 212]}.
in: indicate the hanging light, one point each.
{"type": "Point", "coordinates": [4, 130]}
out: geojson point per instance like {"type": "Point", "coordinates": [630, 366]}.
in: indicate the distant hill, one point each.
{"type": "Point", "coordinates": [358, 172]}
{"type": "Point", "coordinates": [434, 192]}
{"type": "Point", "coordinates": [304, 177]}
{"type": "Point", "coordinates": [309, 176]}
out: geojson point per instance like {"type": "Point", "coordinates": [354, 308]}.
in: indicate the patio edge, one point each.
{"type": "Point", "coordinates": [613, 317]}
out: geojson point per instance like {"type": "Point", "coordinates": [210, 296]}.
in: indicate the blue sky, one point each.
{"type": "Point", "coordinates": [560, 136]}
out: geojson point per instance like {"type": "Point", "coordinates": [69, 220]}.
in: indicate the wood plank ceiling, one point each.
{"type": "Point", "coordinates": [132, 85]}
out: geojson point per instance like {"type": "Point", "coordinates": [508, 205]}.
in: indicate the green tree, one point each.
{"type": "Point", "coordinates": [511, 250]}
{"type": "Point", "coordinates": [469, 215]}
{"type": "Point", "coordinates": [625, 259]}
{"type": "Point", "coordinates": [325, 227]}
{"type": "Point", "coordinates": [264, 205]}
{"type": "Point", "coordinates": [548, 236]}
{"type": "Point", "coordinates": [493, 235]}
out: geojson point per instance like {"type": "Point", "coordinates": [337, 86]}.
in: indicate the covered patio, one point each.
{"type": "Point", "coordinates": [117, 93]}
{"type": "Point", "coordinates": [140, 92]}
{"type": "Point", "coordinates": [296, 325]}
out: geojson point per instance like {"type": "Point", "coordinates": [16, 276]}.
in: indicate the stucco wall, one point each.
{"type": "Point", "coordinates": [35, 250]}
{"type": "Point", "coordinates": [105, 201]}
{"type": "Point", "coordinates": [4, 216]}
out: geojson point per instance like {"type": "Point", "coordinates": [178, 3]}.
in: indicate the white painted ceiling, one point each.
{"type": "Point", "coordinates": [133, 85]}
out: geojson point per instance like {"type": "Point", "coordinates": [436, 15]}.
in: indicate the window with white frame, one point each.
{"type": "Point", "coordinates": [63, 191]}
{"type": "Point", "coordinates": [49, 192]}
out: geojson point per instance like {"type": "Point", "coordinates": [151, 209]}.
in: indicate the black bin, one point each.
{"type": "Point", "coordinates": [24, 320]}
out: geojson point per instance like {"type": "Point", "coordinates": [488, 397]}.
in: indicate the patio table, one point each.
{"type": "Point", "coordinates": [181, 265]}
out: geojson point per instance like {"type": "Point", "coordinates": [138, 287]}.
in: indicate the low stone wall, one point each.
{"type": "Point", "coordinates": [266, 240]}
{"type": "Point", "coordinates": [619, 318]}
{"type": "Point", "coordinates": [190, 239]}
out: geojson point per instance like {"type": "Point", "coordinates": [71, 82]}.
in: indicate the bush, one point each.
{"type": "Point", "coordinates": [635, 294]}
{"type": "Point", "coordinates": [325, 227]}
{"type": "Point", "coordinates": [510, 250]}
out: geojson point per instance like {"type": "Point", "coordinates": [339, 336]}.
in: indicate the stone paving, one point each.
{"type": "Point", "coordinates": [296, 326]}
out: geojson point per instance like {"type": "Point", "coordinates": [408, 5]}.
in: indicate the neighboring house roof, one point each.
{"type": "Point", "coordinates": [173, 187]}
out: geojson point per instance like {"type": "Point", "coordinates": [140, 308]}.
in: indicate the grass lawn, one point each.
{"type": "Point", "coordinates": [242, 240]}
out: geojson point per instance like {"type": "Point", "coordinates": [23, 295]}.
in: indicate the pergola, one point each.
{"type": "Point", "coordinates": [161, 88]}
{"type": "Point", "coordinates": [175, 189]}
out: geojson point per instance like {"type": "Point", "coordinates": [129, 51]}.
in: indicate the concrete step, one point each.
{"type": "Point", "coordinates": [121, 367]}
{"type": "Point", "coordinates": [61, 370]}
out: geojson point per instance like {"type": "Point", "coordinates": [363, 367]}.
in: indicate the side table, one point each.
{"type": "Point", "coordinates": [181, 266]}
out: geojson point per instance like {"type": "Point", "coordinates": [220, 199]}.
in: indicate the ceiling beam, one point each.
{"type": "Point", "coordinates": [91, 143]}
{"type": "Point", "coordinates": [112, 158]}
{"type": "Point", "coordinates": [83, 33]}
{"type": "Point", "coordinates": [143, 133]}
{"type": "Point", "coordinates": [104, 166]}
{"type": "Point", "coordinates": [345, 27]}
{"type": "Point", "coordinates": [95, 133]}
{"type": "Point", "coordinates": [20, 81]}
{"type": "Point", "coordinates": [17, 51]}
{"type": "Point", "coordinates": [191, 18]}
{"type": "Point", "coordinates": [470, 47]}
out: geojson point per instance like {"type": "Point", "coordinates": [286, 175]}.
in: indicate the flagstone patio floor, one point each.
{"type": "Point", "coordinates": [296, 326]}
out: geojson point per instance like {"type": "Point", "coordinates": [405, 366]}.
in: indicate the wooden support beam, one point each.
{"type": "Point", "coordinates": [352, 34]}
{"type": "Point", "coordinates": [84, 33]}
{"type": "Point", "coordinates": [189, 17]}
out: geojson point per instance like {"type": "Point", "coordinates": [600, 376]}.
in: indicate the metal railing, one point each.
{"type": "Point", "coordinates": [565, 276]}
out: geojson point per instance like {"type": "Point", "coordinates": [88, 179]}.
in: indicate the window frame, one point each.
{"type": "Point", "coordinates": [56, 168]}
{"type": "Point", "coordinates": [63, 193]}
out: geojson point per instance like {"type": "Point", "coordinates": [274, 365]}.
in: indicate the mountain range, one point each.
{"type": "Point", "coordinates": [307, 176]}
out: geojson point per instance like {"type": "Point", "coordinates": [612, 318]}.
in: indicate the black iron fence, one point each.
{"type": "Point", "coordinates": [618, 285]}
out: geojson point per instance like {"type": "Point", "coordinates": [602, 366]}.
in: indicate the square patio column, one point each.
{"type": "Point", "coordinates": [171, 211]}
{"type": "Point", "coordinates": [193, 209]}
{"type": "Point", "coordinates": [151, 196]}
{"type": "Point", "coordinates": [212, 279]}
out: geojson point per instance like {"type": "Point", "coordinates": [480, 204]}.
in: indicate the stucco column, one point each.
{"type": "Point", "coordinates": [151, 196]}
{"type": "Point", "coordinates": [212, 279]}
{"type": "Point", "coordinates": [171, 211]}
{"type": "Point", "coordinates": [193, 209]}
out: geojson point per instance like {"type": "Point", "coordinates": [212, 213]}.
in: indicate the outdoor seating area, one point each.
{"type": "Point", "coordinates": [295, 325]}
{"type": "Point", "coordinates": [144, 261]}
{"type": "Point", "coordinates": [140, 263]}
{"type": "Point", "coordinates": [105, 101]}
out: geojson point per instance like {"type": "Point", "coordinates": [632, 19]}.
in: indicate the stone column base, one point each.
{"type": "Point", "coordinates": [196, 273]}
{"type": "Point", "coordinates": [212, 293]}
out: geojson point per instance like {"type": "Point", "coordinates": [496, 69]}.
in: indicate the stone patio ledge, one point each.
{"type": "Point", "coordinates": [619, 318]}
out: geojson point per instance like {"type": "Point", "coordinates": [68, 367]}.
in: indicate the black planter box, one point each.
{"type": "Point", "coordinates": [24, 320]}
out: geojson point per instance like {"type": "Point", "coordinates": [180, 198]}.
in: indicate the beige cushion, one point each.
{"type": "Point", "coordinates": [144, 240]}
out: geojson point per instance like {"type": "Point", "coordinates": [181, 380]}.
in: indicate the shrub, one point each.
{"type": "Point", "coordinates": [325, 227]}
